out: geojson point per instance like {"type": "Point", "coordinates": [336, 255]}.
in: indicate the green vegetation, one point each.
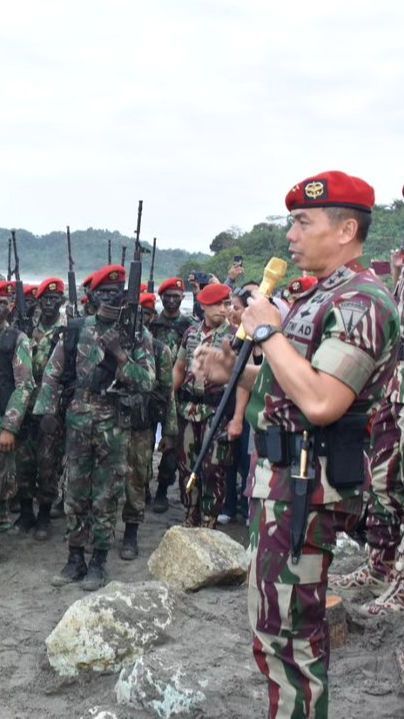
{"type": "Point", "coordinates": [45, 255]}
{"type": "Point", "coordinates": [48, 254]}
{"type": "Point", "coordinates": [268, 239]}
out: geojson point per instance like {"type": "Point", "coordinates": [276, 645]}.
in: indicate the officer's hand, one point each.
{"type": "Point", "coordinates": [166, 444]}
{"type": "Point", "coordinates": [234, 429]}
{"type": "Point", "coordinates": [213, 365]}
{"type": "Point", "coordinates": [7, 441]}
{"type": "Point", "coordinates": [259, 312]}
{"type": "Point", "coordinates": [110, 341]}
{"type": "Point", "coordinates": [49, 424]}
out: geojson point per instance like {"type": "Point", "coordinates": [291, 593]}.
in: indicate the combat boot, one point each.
{"type": "Point", "coordinates": [160, 503]}
{"type": "Point", "coordinates": [129, 549]}
{"type": "Point", "coordinates": [27, 518]}
{"type": "Point", "coordinates": [390, 602]}
{"type": "Point", "coordinates": [96, 574]}
{"type": "Point", "coordinates": [74, 570]}
{"type": "Point", "coordinates": [43, 523]}
{"type": "Point", "coordinates": [362, 578]}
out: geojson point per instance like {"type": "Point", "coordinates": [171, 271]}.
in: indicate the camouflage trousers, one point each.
{"type": "Point", "coordinates": [386, 502]}
{"type": "Point", "coordinates": [39, 462]}
{"type": "Point", "coordinates": [95, 476]}
{"type": "Point", "coordinates": [286, 603]}
{"type": "Point", "coordinates": [140, 452]}
{"type": "Point", "coordinates": [207, 499]}
{"type": "Point", "coordinates": [8, 487]}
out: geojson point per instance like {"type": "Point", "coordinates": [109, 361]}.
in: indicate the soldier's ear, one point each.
{"type": "Point", "coordinates": [348, 230]}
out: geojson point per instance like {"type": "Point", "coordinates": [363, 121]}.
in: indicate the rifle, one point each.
{"type": "Point", "coordinates": [129, 315]}
{"type": "Point", "coordinates": [150, 283]}
{"type": "Point", "coordinates": [109, 253]}
{"type": "Point", "coordinates": [123, 255]}
{"type": "Point", "coordinates": [22, 321]}
{"type": "Point", "coordinates": [72, 308]}
{"type": "Point", "coordinates": [9, 270]}
{"type": "Point", "coordinates": [274, 271]}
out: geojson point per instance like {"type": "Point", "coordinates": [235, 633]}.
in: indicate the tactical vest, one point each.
{"type": "Point", "coordinates": [8, 341]}
{"type": "Point", "coordinates": [104, 373]}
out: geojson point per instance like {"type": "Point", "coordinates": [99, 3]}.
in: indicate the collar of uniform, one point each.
{"type": "Point", "coordinates": [341, 275]}
{"type": "Point", "coordinates": [207, 331]}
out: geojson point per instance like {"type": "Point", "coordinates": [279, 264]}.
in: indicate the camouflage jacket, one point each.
{"type": "Point", "coordinates": [43, 342]}
{"type": "Point", "coordinates": [170, 330]}
{"type": "Point", "coordinates": [348, 327]}
{"type": "Point", "coordinates": [23, 384]}
{"type": "Point", "coordinates": [162, 394]}
{"type": "Point", "coordinates": [395, 390]}
{"type": "Point", "coordinates": [137, 375]}
{"type": "Point", "coordinates": [195, 409]}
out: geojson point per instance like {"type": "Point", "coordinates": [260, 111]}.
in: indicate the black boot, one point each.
{"type": "Point", "coordinates": [74, 570]}
{"type": "Point", "coordinates": [43, 523]}
{"type": "Point", "coordinates": [27, 519]}
{"type": "Point", "coordinates": [96, 575]}
{"type": "Point", "coordinates": [160, 503]}
{"type": "Point", "coordinates": [129, 548]}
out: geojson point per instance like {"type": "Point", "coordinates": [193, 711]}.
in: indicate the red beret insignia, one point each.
{"type": "Point", "coordinates": [314, 190]}
{"type": "Point", "coordinates": [111, 274]}
{"type": "Point", "coordinates": [331, 189]}
{"type": "Point", "coordinates": [173, 283]}
{"type": "Point", "coordinates": [51, 284]}
{"type": "Point", "coordinates": [214, 293]}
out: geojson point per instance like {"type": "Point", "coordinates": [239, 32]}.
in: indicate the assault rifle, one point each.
{"type": "Point", "coordinates": [109, 253]}
{"type": "Point", "coordinates": [22, 321]}
{"type": "Point", "coordinates": [9, 270]}
{"type": "Point", "coordinates": [129, 319]}
{"type": "Point", "coordinates": [123, 255]}
{"type": "Point", "coordinates": [150, 283]}
{"type": "Point", "coordinates": [72, 309]}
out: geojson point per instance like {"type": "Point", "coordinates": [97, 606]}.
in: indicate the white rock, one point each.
{"type": "Point", "coordinates": [111, 628]}
{"type": "Point", "coordinates": [190, 559]}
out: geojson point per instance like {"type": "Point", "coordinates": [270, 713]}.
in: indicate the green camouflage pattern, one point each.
{"type": "Point", "coordinates": [170, 330]}
{"type": "Point", "coordinates": [140, 452]}
{"type": "Point", "coordinates": [193, 338]}
{"type": "Point", "coordinates": [162, 395]}
{"type": "Point", "coordinates": [24, 386]}
{"type": "Point", "coordinates": [396, 386]}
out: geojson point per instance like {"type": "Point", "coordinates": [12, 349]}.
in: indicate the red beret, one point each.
{"type": "Point", "coordinates": [173, 283]}
{"type": "Point", "coordinates": [51, 284]}
{"type": "Point", "coordinates": [331, 189]}
{"type": "Point", "coordinates": [211, 294]}
{"type": "Point", "coordinates": [148, 300]}
{"type": "Point", "coordinates": [108, 275]}
{"type": "Point", "coordinates": [30, 291]}
{"type": "Point", "coordinates": [7, 288]}
{"type": "Point", "coordinates": [143, 287]}
{"type": "Point", "coordinates": [302, 284]}
{"type": "Point", "coordinates": [88, 280]}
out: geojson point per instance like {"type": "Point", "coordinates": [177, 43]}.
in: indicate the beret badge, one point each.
{"type": "Point", "coordinates": [315, 190]}
{"type": "Point", "coordinates": [52, 286]}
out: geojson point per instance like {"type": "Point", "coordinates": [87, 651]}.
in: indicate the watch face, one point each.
{"type": "Point", "coordinates": [262, 332]}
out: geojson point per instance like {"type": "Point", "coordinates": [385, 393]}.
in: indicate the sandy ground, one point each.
{"type": "Point", "coordinates": [364, 676]}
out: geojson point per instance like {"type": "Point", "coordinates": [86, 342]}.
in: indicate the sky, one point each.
{"type": "Point", "coordinates": [207, 110]}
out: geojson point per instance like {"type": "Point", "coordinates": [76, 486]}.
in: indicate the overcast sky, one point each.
{"type": "Point", "coordinates": [207, 110]}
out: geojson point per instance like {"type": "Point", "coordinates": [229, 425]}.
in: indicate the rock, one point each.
{"type": "Point", "coordinates": [160, 685]}
{"type": "Point", "coordinates": [190, 559]}
{"type": "Point", "coordinates": [111, 628]}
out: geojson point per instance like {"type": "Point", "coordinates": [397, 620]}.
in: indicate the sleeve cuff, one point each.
{"type": "Point", "coordinates": [350, 364]}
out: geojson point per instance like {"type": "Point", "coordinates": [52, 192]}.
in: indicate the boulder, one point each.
{"type": "Point", "coordinates": [111, 628]}
{"type": "Point", "coordinates": [189, 559]}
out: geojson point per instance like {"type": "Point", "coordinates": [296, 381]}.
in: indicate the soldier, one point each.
{"type": "Point", "coordinates": [385, 509]}
{"type": "Point", "coordinates": [40, 452]}
{"type": "Point", "coordinates": [103, 376]}
{"type": "Point", "coordinates": [323, 372]}
{"type": "Point", "coordinates": [169, 328]}
{"type": "Point", "coordinates": [16, 386]}
{"type": "Point", "coordinates": [197, 402]}
{"type": "Point", "coordinates": [156, 406]}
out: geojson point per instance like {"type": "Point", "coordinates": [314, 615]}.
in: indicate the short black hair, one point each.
{"type": "Point", "coordinates": [339, 214]}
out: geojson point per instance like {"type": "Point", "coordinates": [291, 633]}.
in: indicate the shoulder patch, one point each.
{"type": "Point", "coordinates": [352, 313]}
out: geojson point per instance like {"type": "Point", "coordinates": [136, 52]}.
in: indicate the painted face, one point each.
{"type": "Point", "coordinates": [171, 300]}
{"type": "Point", "coordinates": [108, 294]}
{"type": "Point", "coordinates": [50, 303]}
{"type": "Point", "coordinates": [4, 309]}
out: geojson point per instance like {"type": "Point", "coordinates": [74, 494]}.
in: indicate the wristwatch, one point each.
{"type": "Point", "coordinates": [262, 333]}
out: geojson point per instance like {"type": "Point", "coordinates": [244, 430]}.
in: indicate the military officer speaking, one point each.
{"type": "Point", "coordinates": [323, 372]}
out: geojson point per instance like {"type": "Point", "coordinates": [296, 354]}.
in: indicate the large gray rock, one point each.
{"type": "Point", "coordinates": [111, 628]}
{"type": "Point", "coordinates": [190, 559]}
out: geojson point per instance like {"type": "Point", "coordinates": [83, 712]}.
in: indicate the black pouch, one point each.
{"type": "Point", "coordinates": [343, 444]}
{"type": "Point", "coordinates": [277, 446]}
{"type": "Point", "coordinates": [140, 418]}
{"type": "Point", "coordinates": [123, 412]}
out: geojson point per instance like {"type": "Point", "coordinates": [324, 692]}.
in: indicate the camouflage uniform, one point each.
{"type": "Point", "coordinates": [39, 455]}
{"type": "Point", "coordinates": [196, 404]}
{"type": "Point", "coordinates": [96, 447]}
{"type": "Point", "coordinates": [169, 331]}
{"type": "Point", "coordinates": [16, 386]}
{"type": "Point", "coordinates": [347, 326]}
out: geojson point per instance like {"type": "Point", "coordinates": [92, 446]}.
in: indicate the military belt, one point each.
{"type": "Point", "coordinates": [212, 400]}
{"type": "Point", "coordinates": [278, 446]}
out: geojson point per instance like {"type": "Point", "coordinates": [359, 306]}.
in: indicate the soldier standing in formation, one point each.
{"type": "Point", "coordinates": [40, 449]}
{"type": "Point", "coordinates": [103, 375]}
{"type": "Point", "coordinates": [169, 328]}
{"type": "Point", "coordinates": [16, 386]}
{"type": "Point", "coordinates": [323, 372]}
{"type": "Point", "coordinates": [197, 402]}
